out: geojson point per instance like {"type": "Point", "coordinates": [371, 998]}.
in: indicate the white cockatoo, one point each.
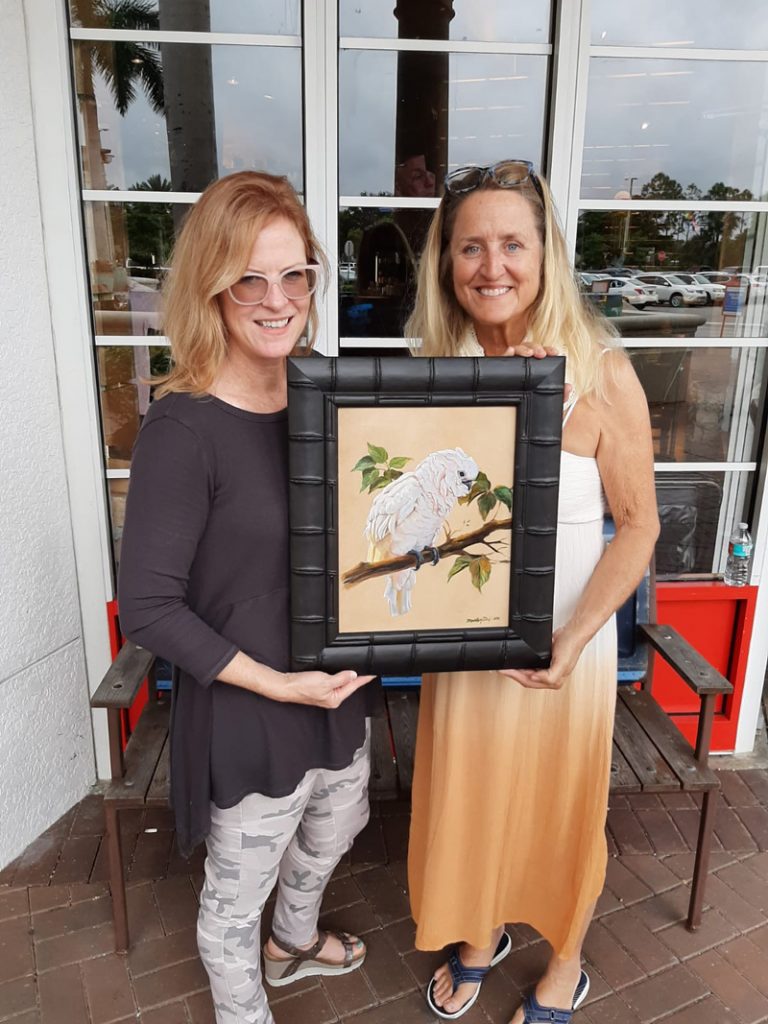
{"type": "Point", "coordinates": [407, 514]}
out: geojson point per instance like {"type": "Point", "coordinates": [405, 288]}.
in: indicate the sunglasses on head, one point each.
{"type": "Point", "coordinates": [504, 174]}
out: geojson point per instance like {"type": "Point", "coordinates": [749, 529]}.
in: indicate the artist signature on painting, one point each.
{"type": "Point", "coordinates": [485, 618]}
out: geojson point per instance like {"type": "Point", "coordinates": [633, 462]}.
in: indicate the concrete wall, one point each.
{"type": "Point", "coordinates": [46, 746]}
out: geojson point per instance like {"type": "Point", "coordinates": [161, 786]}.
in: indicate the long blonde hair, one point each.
{"type": "Point", "coordinates": [211, 253]}
{"type": "Point", "coordinates": [559, 317]}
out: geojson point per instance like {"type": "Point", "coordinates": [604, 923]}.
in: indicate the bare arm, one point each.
{"type": "Point", "coordinates": [625, 458]}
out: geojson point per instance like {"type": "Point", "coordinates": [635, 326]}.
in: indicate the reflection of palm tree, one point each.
{"type": "Point", "coordinates": [121, 65]}
{"type": "Point", "coordinates": [124, 64]}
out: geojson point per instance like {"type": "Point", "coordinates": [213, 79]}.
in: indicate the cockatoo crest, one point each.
{"type": "Point", "coordinates": [408, 513]}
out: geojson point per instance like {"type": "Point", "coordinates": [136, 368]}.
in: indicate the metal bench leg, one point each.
{"type": "Point", "coordinates": [701, 865]}
{"type": "Point", "coordinates": [116, 878]}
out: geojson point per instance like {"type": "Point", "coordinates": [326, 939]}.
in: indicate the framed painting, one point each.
{"type": "Point", "coordinates": [423, 512]}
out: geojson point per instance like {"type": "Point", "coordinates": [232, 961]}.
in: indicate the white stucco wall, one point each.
{"type": "Point", "coordinates": [46, 746]}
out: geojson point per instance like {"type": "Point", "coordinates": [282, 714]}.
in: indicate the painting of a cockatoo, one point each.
{"type": "Point", "coordinates": [408, 514]}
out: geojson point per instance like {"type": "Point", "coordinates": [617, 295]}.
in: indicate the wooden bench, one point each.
{"type": "Point", "coordinates": [141, 771]}
{"type": "Point", "coordinates": [650, 754]}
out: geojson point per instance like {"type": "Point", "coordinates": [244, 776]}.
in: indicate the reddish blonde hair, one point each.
{"type": "Point", "coordinates": [211, 253]}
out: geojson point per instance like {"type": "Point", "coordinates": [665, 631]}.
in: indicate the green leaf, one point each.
{"type": "Point", "coordinates": [504, 494]}
{"type": "Point", "coordinates": [480, 571]}
{"type": "Point", "coordinates": [485, 503]}
{"type": "Point", "coordinates": [399, 461]}
{"type": "Point", "coordinates": [365, 463]}
{"type": "Point", "coordinates": [462, 562]}
{"type": "Point", "coordinates": [377, 454]}
{"type": "Point", "coordinates": [381, 482]}
{"type": "Point", "coordinates": [369, 475]}
{"type": "Point", "coordinates": [481, 486]}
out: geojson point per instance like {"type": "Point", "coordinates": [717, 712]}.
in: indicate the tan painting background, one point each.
{"type": "Point", "coordinates": [488, 435]}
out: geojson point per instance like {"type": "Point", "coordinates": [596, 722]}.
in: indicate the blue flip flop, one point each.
{"type": "Point", "coordinates": [461, 974]}
{"type": "Point", "coordinates": [535, 1013]}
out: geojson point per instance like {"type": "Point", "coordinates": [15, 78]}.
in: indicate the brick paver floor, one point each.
{"type": "Point", "coordinates": [57, 964]}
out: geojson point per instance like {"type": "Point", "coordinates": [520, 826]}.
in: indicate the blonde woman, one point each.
{"type": "Point", "coordinates": [269, 767]}
{"type": "Point", "coordinates": [512, 768]}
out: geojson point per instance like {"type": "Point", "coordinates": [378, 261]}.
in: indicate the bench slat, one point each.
{"type": "Point", "coordinates": [669, 741]}
{"type": "Point", "coordinates": [623, 779]}
{"type": "Point", "coordinates": [160, 788]}
{"type": "Point", "coordinates": [142, 755]}
{"type": "Point", "coordinates": [653, 773]}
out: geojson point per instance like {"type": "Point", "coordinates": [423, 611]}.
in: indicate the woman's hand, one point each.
{"type": "Point", "coordinates": [526, 348]}
{"type": "Point", "coordinates": [566, 649]}
{"type": "Point", "coordinates": [318, 688]}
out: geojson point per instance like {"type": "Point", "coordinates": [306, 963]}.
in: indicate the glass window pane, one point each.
{"type": "Point", "coordinates": [124, 372]}
{"type": "Point", "coordinates": [405, 119]}
{"type": "Point", "coordinates": [377, 273]}
{"type": "Point", "coordinates": [463, 19]}
{"type": "Point", "coordinates": [686, 274]}
{"type": "Point", "coordinates": [177, 116]}
{"type": "Point", "coordinates": [705, 403]}
{"type": "Point", "coordinates": [697, 512]}
{"type": "Point", "coordinates": [267, 17]}
{"type": "Point", "coordinates": [674, 129]}
{"type": "Point", "coordinates": [690, 23]}
{"type": "Point", "coordinates": [128, 247]}
{"type": "Point", "coordinates": [118, 492]}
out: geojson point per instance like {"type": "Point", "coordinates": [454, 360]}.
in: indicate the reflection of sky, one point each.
{"type": "Point", "coordinates": [269, 17]}
{"type": "Point", "coordinates": [501, 22]}
{"type": "Point", "coordinates": [496, 110]}
{"type": "Point", "coordinates": [257, 98]}
{"type": "Point", "coordinates": [693, 23]}
{"type": "Point", "coordinates": [697, 121]}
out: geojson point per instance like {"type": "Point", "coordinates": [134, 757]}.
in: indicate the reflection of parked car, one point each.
{"type": "Point", "coordinates": [715, 292]}
{"type": "Point", "coordinates": [636, 294]}
{"type": "Point", "coordinates": [619, 271]}
{"type": "Point", "coordinates": [671, 289]}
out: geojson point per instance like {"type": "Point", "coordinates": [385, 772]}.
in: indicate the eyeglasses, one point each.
{"type": "Point", "coordinates": [294, 283]}
{"type": "Point", "coordinates": [505, 174]}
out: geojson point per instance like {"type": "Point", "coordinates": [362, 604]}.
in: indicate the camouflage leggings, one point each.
{"type": "Point", "coordinates": [296, 841]}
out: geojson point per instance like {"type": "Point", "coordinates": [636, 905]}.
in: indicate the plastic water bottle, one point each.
{"type": "Point", "coordinates": [739, 556]}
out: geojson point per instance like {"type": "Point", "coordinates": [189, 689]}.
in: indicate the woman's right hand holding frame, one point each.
{"type": "Point", "coordinates": [319, 689]}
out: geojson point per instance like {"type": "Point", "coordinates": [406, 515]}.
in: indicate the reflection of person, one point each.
{"type": "Point", "coordinates": [269, 766]}
{"type": "Point", "coordinates": [512, 767]}
{"type": "Point", "coordinates": [413, 178]}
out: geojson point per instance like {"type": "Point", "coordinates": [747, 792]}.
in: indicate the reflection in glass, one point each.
{"type": "Point", "coordinates": [706, 404]}
{"type": "Point", "coordinates": [406, 119]}
{"type": "Point", "coordinates": [652, 245]}
{"type": "Point", "coordinates": [179, 115]}
{"type": "Point", "coordinates": [123, 373]}
{"type": "Point", "coordinates": [128, 247]}
{"type": "Point", "coordinates": [689, 23]}
{"type": "Point", "coordinates": [267, 17]}
{"type": "Point", "coordinates": [377, 277]}
{"type": "Point", "coordinates": [689, 510]}
{"type": "Point", "coordinates": [697, 512]}
{"type": "Point", "coordinates": [118, 493]}
{"type": "Point", "coordinates": [675, 129]}
{"type": "Point", "coordinates": [490, 21]}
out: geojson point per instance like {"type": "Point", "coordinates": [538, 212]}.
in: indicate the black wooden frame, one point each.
{"type": "Point", "coordinates": [317, 388]}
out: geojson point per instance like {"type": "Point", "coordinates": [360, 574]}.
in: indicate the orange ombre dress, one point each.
{"type": "Point", "coordinates": [510, 789]}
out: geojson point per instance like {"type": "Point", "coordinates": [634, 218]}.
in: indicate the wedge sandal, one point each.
{"type": "Point", "coordinates": [305, 963]}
